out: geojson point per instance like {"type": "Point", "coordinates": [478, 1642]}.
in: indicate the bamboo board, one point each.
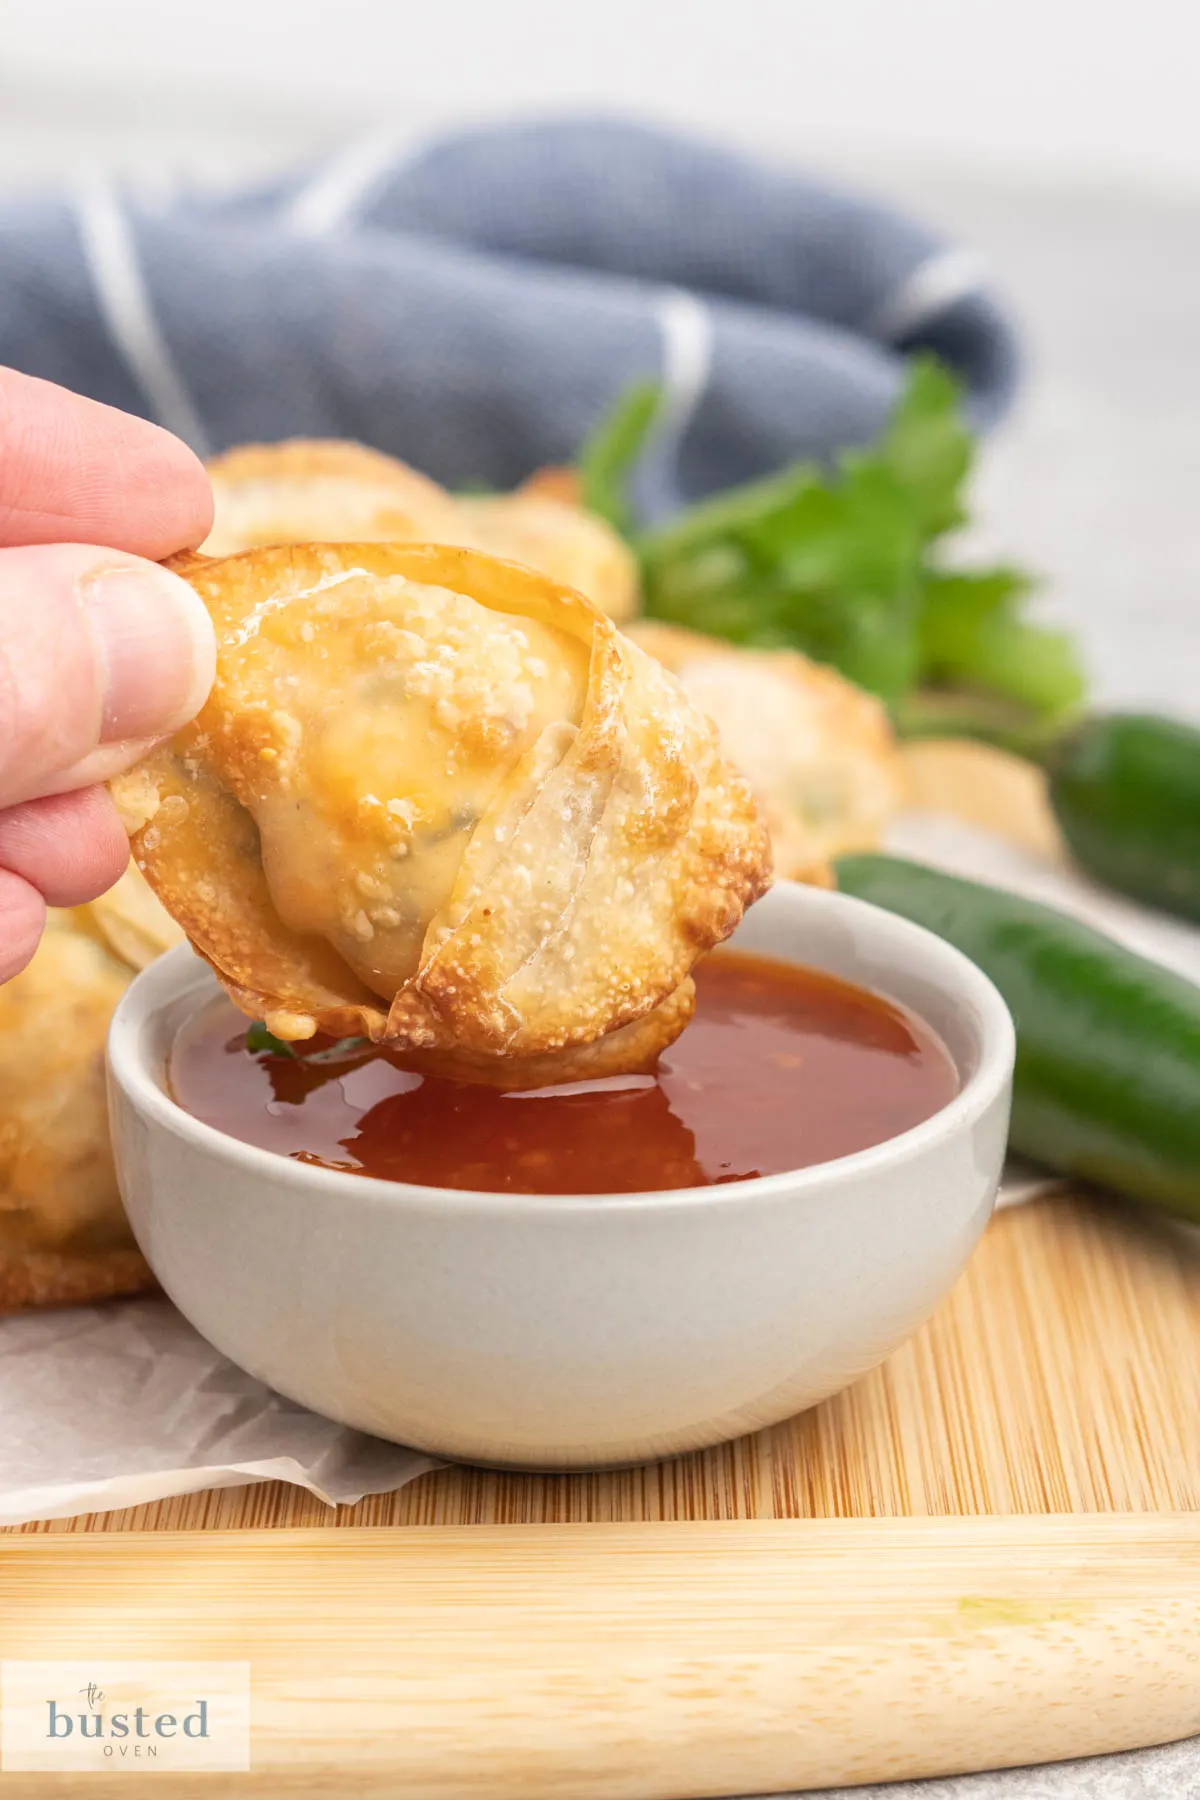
{"type": "Point", "coordinates": [985, 1553]}
{"type": "Point", "coordinates": [640, 1662]}
{"type": "Point", "coordinates": [1061, 1375]}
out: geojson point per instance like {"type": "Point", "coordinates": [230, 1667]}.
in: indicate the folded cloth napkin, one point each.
{"type": "Point", "coordinates": [475, 304]}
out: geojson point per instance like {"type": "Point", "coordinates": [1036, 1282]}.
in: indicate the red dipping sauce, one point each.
{"type": "Point", "coordinates": [780, 1068]}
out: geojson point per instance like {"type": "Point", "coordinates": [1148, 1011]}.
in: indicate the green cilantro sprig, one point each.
{"type": "Point", "coordinates": [261, 1042]}
{"type": "Point", "coordinates": [848, 565]}
{"type": "Point", "coordinates": [607, 458]}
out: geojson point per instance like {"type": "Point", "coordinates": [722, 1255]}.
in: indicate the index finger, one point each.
{"type": "Point", "coordinates": [74, 471]}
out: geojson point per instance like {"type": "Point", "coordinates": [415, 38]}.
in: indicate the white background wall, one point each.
{"type": "Point", "coordinates": [1056, 88]}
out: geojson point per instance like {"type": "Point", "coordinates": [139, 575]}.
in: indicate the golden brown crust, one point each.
{"type": "Point", "coordinates": [571, 546]}
{"type": "Point", "coordinates": [130, 921]}
{"type": "Point", "coordinates": [58, 1278]}
{"type": "Point", "coordinates": [63, 1232]}
{"type": "Point", "coordinates": [561, 481]}
{"type": "Point", "coordinates": [314, 490]}
{"type": "Point", "coordinates": [631, 1049]}
{"type": "Point", "coordinates": [333, 458]}
{"type": "Point", "coordinates": [987, 787]}
{"type": "Point", "coordinates": [321, 488]}
{"type": "Point", "coordinates": [612, 852]}
{"type": "Point", "coordinates": [818, 752]}
{"type": "Point", "coordinates": [185, 560]}
{"type": "Point", "coordinates": [64, 1239]}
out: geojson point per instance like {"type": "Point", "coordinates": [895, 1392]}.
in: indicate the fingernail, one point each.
{"type": "Point", "coordinates": [156, 645]}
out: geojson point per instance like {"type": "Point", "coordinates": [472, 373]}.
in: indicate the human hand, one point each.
{"type": "Point", "coordinates": [101, 651]}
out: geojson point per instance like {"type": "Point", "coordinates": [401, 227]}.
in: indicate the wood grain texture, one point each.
{"type": "Point", "coordinates": [984, 1554]}
{"type": "Point", "coordinates": [1061, 1375]}
{"type": "Point", "coordinates": [641, 1662]}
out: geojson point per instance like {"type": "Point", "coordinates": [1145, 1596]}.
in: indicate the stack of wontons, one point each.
{"type": "Point", "coordinates": [63, 1232]}
{"type": "Point", "coordinates": [608, 781]}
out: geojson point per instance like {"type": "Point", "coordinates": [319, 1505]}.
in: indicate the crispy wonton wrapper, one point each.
{"type": "Point", "coordinates": [64, 1237]}
{"type": "Point", "coordinates": [818, 751]}
{"type": "Point", "coordinates": [321, 490]}
{"type": "Point", "coordinates": [559, 538]}
{"type": "Point", "coordinates": [130, 921]}
{"type": "Point", "coordinates": [327, 491]}
{"type": "Point", "coordinates": [437, 800]}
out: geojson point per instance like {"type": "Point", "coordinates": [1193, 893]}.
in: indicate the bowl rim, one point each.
{"type": "Point", "coordinates": [163, 983]}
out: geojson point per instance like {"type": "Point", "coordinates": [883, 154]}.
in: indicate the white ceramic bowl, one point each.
{"type": "Point", "coordinates": [577, 1330]}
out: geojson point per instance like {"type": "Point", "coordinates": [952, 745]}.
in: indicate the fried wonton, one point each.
{"type": "Point", "coordinates": [323, 490]}
{"type": "Point", "coordinates": [630, 1049]}
{"type": "Point", "coordinates": [570, 545]}
{"type": "Point", "coordinates": [327, 491]}
{"type": "Point", "coordinates": [130, 921]}
{"type": "Point", "coordinates": [437, 800]}
{"type": "Point", "coordinates": [819, 753]}
{"type": "Point", "coordinates": [63, 1233]}
{"type": "Point", "coordinates": [986, 787]}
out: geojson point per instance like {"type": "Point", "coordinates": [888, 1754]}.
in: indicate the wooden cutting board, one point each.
{"type": "Point", "coordinates": [985, 1553]}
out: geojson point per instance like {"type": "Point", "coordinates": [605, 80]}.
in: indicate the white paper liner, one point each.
{"type": "Point", "coordinates": [111, 1406]}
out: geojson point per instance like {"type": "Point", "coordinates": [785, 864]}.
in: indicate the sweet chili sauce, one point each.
{"type": "Point", "coordinates": [780, 1068]}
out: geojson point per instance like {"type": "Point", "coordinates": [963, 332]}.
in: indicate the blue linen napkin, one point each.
{"type": "Point", "coordinates": [475, 304]}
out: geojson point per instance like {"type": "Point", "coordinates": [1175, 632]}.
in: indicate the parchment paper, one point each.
{"type": "Point", "coordinates": [110, 1406]}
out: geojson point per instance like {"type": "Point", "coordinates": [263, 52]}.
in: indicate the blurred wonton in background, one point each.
{"type": "Point", "coordinates": [326, 491]}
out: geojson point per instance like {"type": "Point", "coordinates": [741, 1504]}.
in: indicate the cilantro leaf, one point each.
{"type": "Point", "coordinates": [608, 455]}
{"type": "Point", "coordinates": [928, 446]}
{"type": "Point", "coordinates": [973, 636]}
{"type": "Point", "coordinates": [339, 1050]}
{"type": "Point", "coordinates": [260, 1041]}
{"type": "Point", "coordinates": [843, 564]}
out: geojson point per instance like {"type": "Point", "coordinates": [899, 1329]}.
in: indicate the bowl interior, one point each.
{"type": "Point", "coordinates": [887, 954]}
{"type": "Point", "coordinates": [828, 931]}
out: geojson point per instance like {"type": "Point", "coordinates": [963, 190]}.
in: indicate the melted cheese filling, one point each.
{"type": "Point", "coordinates": [396, 713]}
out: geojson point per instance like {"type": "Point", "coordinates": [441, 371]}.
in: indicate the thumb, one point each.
{"type": "Point", "coordinates": [100, 653]}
